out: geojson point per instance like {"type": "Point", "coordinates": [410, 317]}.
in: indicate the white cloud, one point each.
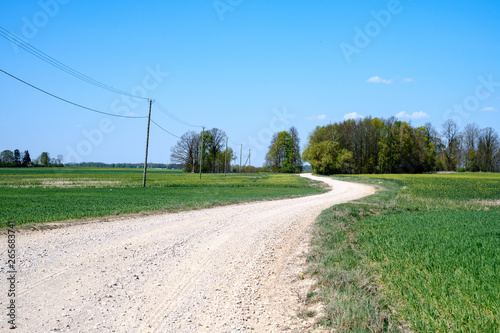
{"type": "Point", "coordinates": [415, 115]}
{"type": "Point", "coordinates": [319, 117]}
{"type": "Point", "coordinates": [353, 115]}
{"type": "Point", "coordinates": [378, 79]}
{"type": "Point", "coordinates": [489, 108]}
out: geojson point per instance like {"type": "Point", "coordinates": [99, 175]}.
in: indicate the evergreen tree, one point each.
{"type": "Point", "coordinates": [26, 159]}
{"type": "Point", "coordinates": [17, 157]}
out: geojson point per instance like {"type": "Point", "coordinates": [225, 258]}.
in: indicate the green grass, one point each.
{"type": "Point", "coordinates": [113, 178]}
{"type": "Point", "coordinates": [455, 186]}
{"type": "Point", "coordinates": [416, 255]}
{"type": "Point", "coordinates": [442, 267]}
{"type": "Point", "coordinates": [57, 194]}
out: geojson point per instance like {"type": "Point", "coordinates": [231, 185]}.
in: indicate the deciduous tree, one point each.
{"type": "Point", "coordinates": [186, 151]}
{"type": "Point", "coordinates": [7, 157]}
{"type": "Point", "coordinates": [284, 152]}
{"type": "Point", "coordinates": [451, 151]}
{"type": "Point", "coordinates": [488, 146]}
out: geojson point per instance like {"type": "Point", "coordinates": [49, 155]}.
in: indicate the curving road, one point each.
{"type": "Point", "coordinates": [230, 268]}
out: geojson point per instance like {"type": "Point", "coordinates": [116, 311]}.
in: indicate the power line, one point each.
{"type": "Point", "coordinates": [172, 116]}
{"type": "Point", "coordinates": [45, 57]}
{"type": "Point", "coordinates": [67, 101]}
{"type": "Point", "coordinates": [154, 122]}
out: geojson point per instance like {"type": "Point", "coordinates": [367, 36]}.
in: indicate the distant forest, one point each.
{"type": "Point", "coordinates": [126, 165]}
{"type": "Point", "coordinates": [9, 158]}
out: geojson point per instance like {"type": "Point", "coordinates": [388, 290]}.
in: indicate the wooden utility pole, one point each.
{"type": "Point", "coordinates": [201, 152]}
{"type": "Point", "coordinates": [147, 144]}
{"type": "Point", "coordinates": [241, 150]}
{"type": "Point", "coordinates": [225, 159]}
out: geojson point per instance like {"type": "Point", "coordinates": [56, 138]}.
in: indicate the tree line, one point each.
{"type": "Point", "coordinates": [208, 150]}
{"type": "Point", "coordinates": [125, 165]}
{"type": "Point", "coordinates": [376, 145]}
{"type": "Point", "coordinates": [9, 158]}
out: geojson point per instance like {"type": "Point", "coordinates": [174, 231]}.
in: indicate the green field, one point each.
{"type": "Point", "coordinates": [455, 186]}
{"type": "Point", "coordinates": [423, 254]}
{"type": "Point", "coordinates": [55, 194]}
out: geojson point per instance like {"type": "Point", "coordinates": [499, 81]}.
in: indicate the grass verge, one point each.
{"type": "Point", "coordinates": [405, 259]}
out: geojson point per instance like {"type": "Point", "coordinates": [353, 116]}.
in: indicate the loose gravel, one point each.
{"type": "Point", "coordinates": [234, 268]}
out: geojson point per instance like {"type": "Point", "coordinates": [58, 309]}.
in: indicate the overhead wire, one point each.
{"type": "Point", "coordinates": [50, 60]}
{"type": "Point", "coordinates": [154, 122]}
{"type": "Point", "coordinates": [67, 101]}
{"type": "Point", "coordinates": [172, 116]}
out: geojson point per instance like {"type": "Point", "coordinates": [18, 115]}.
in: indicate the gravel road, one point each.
{"type": "Point", "coordinates": [224, 269]}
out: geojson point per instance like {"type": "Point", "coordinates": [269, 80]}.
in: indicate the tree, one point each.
{"type": "Point", "coordinates": [295, 158]}
{"type": "Point", "coordinates": [425, 149]}
{"type": "Point", "coordinates": [327, 158]}
{"type": "Point", "coordinates": [276, 153]}
{"type": "Point", "coordinates": [26, 159]}
{"type": "Point", "coordinates": [389, 148]}
{"type": "Point", "coordinates": [496, 166]}
{"type": "Point", "coordinates": [215, 141]}
{"type": "Point", "coordinates": [470, 142]}
{"type": "Point", "coordinates": [7, 157]}
{"type": "Point", "coordinates": [186, 152]}
{"type": "Point", "coordinates": [45, 159]}
{"type": "Point", "coordinates": [434, 139]}
{"type": "Point", "coordinates": [284, 152]}
{"type": "Point", "coordinates": [451, 151]}
{"type": "Point", "coordinates": [488, 146]}
{"type": "Point", "coordinates": [17, 157]}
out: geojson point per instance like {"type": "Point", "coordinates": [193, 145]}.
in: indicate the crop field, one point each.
{"type": "Point", "coordinates": [455, 186]}
{"type": "Point", "coordinates": [56, 194]}
{"type": "Point", "coordinates": [423, 253]}
{"type": "Point", "coordinates": [442, 267]}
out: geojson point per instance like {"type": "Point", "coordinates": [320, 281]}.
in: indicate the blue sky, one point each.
{"type": "Point", "coordinates": [250, 68]}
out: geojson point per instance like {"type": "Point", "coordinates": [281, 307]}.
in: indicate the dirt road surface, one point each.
{"type": "Point", "coordinates": [224, 269]}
